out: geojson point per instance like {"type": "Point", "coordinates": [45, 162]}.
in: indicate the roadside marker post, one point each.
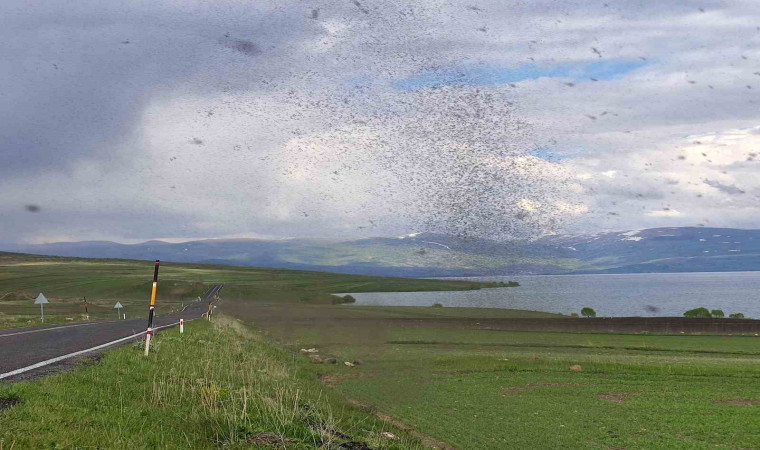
{"type": "Point", "coordinates": [41, 300]}
{"type": "Point", "coordinates": [86, 313]}
{"type": "Point", "coordinates": [151, 311]}
{"type": "Point", "coordinates": [181, 326]}
{"type": "Point", "coordinates": [147, 340]}
{"type": "Point", "coordinates": [117, 307]}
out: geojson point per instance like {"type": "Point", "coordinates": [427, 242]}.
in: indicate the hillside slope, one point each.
{"type": "Point", "coordinates": [683, 249]}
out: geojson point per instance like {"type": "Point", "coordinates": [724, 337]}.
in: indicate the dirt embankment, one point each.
{"type": "Point", "coordinates": [659, 325]}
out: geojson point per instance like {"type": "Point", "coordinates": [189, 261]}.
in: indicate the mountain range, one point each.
{"type": "Point", "coordinates": [682, 249]}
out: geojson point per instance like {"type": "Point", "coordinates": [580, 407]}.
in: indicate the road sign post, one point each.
{"type": "Point", "coordinates": [151, 311]}
{"type": "Point", "coordinates": [41, 300]}
{"type": "Point", "coordinates": [118, 307]}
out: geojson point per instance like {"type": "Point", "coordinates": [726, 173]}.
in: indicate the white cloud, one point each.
{"type": "Point", "coordinates": [307, 133]}
{"type": "Point", "coordinates": [709, 178]}
{"type": "Point", "coordinates": [664, 213]}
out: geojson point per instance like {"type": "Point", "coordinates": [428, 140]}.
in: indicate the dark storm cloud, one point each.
{"type": "Point", "coordinates": [73, 89]}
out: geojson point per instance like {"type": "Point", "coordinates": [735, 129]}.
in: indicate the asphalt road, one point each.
{"type": "Point", "coordinates": [24, 347]}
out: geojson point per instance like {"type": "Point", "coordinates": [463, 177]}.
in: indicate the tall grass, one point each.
{"type": "Point", "coordinates": [217, 385]}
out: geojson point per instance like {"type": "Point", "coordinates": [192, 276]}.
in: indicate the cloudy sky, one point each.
{"type": "Point", "coordinates": [177, 120]}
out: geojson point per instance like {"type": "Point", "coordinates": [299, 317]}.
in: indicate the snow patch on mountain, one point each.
{"type": "Point", "coordinates": [437, 243]}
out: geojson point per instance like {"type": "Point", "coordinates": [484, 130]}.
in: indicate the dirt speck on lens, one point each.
{"type": "Point", "coordinates": [8, 402]}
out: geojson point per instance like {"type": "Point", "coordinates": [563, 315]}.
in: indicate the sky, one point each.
{"type": "Point", "coordinates": [131, 121]}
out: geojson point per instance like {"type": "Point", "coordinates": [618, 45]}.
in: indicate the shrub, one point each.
{"type": "Point", "coordinates": [698, 312]}
{"type": "Point", "coordinates": [736, 316]}
{"type": "Point", "coordinates": [573, 314]}
{"type": "Point", "coordinates": [437, 305]}
{"type": "Point", "coordinates": [588, 312]}
{"type": "Point", "coordinates": [717, 313]}
{"type": "Point", "coordinates": [341, 300]}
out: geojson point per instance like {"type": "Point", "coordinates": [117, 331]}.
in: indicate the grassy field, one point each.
{"type": "Point", "coordinates": [422, 373]}
{"type": "Point", "coordinates": [211, 388]}
{"type": "Point", "coordinates": [217, 385]}
{"type": "Point", "coordinates": [67, 281]}
{"type": "Point", "coordinates": [474, 387]}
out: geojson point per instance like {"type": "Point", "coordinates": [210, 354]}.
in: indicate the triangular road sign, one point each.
{"type": "Point", "coordinates": [41, 299]}
{"type": "Point", "coordinates": [117, 305]}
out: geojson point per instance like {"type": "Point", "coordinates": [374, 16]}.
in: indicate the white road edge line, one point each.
{"type": "Point", "coordinates": [74, 325]}
{"type": "Point", "coordinates": [52, 328]}
{"type": "Point", "coordinates": [71, 355]}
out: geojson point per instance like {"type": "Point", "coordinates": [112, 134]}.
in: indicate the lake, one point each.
{"type": "Point", "coordinates": [640, 294]}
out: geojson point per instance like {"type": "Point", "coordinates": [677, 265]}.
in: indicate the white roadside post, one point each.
{"type": "Point", "coordinates": [41, 300]}
{"type": "Point", "coordinates": [181, 326]}
{"type": "Point", "coordinates": [117, 307]}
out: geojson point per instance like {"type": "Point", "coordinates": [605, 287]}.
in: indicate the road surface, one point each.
{"type": "Point", "coordinates": [22, 349]}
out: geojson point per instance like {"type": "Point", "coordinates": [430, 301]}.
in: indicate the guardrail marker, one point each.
{"type": "Point", "coordinates": [152, 308]}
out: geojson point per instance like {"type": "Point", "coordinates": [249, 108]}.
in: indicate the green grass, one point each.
{"type": "Point", "coordinates": [429, 312]}
{"type": "Point", "coordinates": [67, 281]}
{"type": "Point", "coordinates": [214, 386]}
{"type": "Point", "coordinates": [721, 345]}
{"type": "Point", "coordinates": [438, 370]}
{"type": "Point", "coordinates": [527, 404]}
{"type": "Point", "coordinates": [480, 388]}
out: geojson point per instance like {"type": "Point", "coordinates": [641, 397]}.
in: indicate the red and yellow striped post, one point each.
{"type": "Point", "coordinates": [152, 308]}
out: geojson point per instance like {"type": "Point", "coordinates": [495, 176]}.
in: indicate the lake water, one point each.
{"type": "Point", "coordinates": [645, 294]}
